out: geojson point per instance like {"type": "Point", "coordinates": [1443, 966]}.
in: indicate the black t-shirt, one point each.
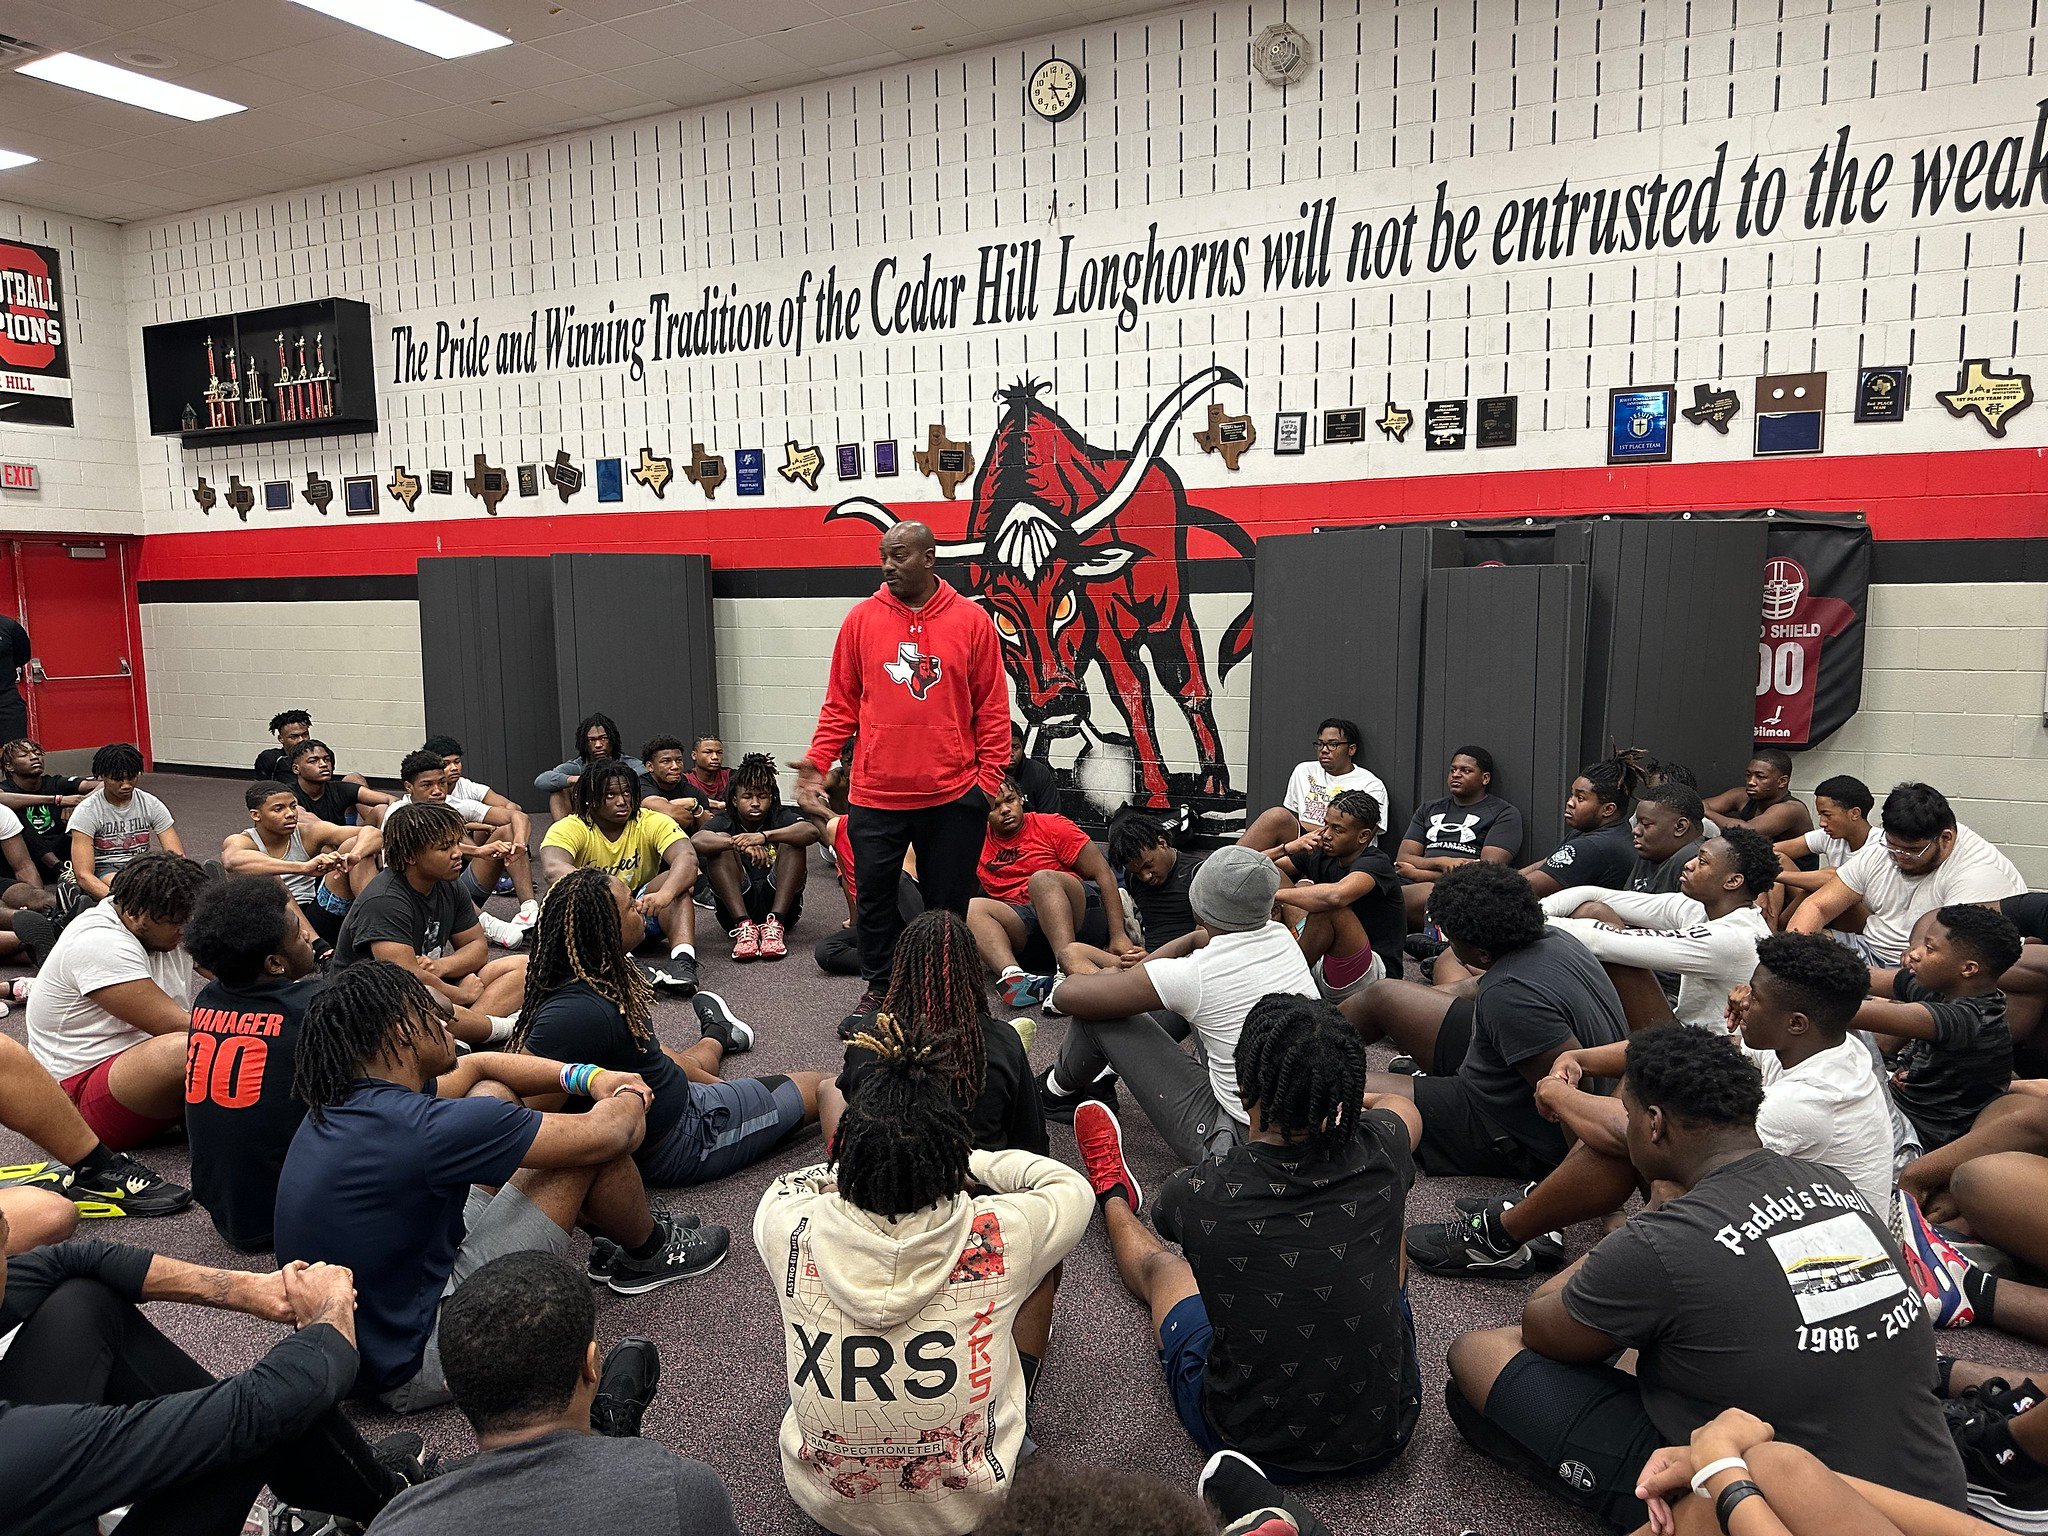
{"type": "Point", "coordinates": [1163, 909]}
{"type": "Point", "coordinates": [239, 1111]}
{"type": "Point", "coordinates": [42, 826]}
{"type": "Point", "coordinates": [1379, 911]}
{"type": "Point", "coordinates": [391, 911]}
{"type": "Point", "coordinates": [682, 789]}
{"type": "Point", "coordinates": [1661, 879]}
{"type": "Point", "coordinates": [334, 802]}
{"type": "Point", "coordinates": [1312, 1369]}
{"type": "Point", "coordinates": [1006, 1117]}
{"type": "Point", "coordinates": [1603, 857]}
{"type": "Point", "coordinates": [778, 817]}
{"type": "Point", "coordinates": [270, 763]}
{"type": "Point", "coordinates": [576, 1024]}
{"type": "Point", "coordinates": [1772, 1288]}
{"type": "Point", "coordinates": [1448, 830]}
{"type": "Point", "coordinates": [1527, 1002]}
{"type": "Point", "coordinates": [1941, 1084]}
{"type": "Point", "coordinates": [1041, 789]}
{"type": "Point", "coordinates": [2027, 912]}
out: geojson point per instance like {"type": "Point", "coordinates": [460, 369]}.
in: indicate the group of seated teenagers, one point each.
{"type": "Point", "coordinates": [1794, 1044]}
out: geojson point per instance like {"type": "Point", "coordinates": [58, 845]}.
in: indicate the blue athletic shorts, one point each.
{"type": "Point", "coordinates": [731, 1125]}
{"type": "Point", "coordinates": [1184, 1359]}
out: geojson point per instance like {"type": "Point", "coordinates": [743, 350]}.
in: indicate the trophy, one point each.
{"type": "Point", "coordinates": [233, 398]}
{"type": "Point", "coordinates": [287, 404]}
{"type": "Point", "coordinates": [220, 396]}
{"type": "Point", "coordinates": [323, 381]}
{"type": "Point", "coordinates": [255, 407]}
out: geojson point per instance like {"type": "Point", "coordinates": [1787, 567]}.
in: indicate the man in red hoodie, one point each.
{"type": "Point", "coordinates": [917, 672]}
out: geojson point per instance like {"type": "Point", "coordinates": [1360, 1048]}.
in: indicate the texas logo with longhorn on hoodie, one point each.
{"type": "Point", "coordinates": [1081, 556]}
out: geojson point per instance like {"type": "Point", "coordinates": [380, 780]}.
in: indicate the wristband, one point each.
{"type": "Point", "coordinates": [577, 1078]}
{"type": "Point", "coordinates": [1731, 1496]}
{"type": "Point", "coordinates": [1713, 1469]}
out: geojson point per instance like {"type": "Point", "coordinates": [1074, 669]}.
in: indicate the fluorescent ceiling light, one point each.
{"type": "Point", "coordinates": [415, 24]}
{"type": "Point", "coordinates": [9, 160]}
{"type": "Point", "coordinates": [125, 85]}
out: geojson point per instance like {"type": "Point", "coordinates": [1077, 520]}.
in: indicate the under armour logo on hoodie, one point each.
{"type": "Point", "coordinates": [912, 668]}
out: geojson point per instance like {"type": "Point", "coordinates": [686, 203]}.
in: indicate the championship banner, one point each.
{"type": "Point", "coordinates": [35, 350]}
{"type": "Point", "coordinates": [1809, 678]}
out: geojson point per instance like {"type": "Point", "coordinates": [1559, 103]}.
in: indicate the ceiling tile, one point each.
{"type": "Point", "coordinates": [750, 63]}
{"type": "Point", "coordinates": [593, 48]}
{"type": "Point", "coordinates": [57, 28]}
{"type": "Point", "coordinates": [234, 30]}
{"type": "Point", "coordinates": [614, 10]}
{"type": "Point", "coordinates": [523, 20]}
{"type": "Point", "coordinates": [90, 127]}
{"type": "Point", "coordinates": [914, 25]}
{"type": "Point", "coordinates": [235, 84]}
{"type": "Point", "coordinates": [824, 43]}
{"type": "Point", "coordinates": [662, 79]}
{"type": "Point", "coordinates": [601, 94]}
{"type": "Point", "coordinates": [113, 15]}
{"type": "Point", "coordinates": [761, 18]}
{"type": "Point", "coordinates": [326, 65]}
{"type": "Point", "coordinates": [678, 29]}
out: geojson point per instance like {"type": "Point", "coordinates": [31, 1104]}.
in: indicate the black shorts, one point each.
{"type": "Point", "coordinates": [1453, 1038]}
{"type": "Point", "coordinates": [1582, 1429]}
{"type": "Point", "coordinates": [1034, 954]}
{"type": "Point", "coordinates": [1457, 1139]}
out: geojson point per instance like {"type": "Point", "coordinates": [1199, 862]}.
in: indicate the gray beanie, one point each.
{"type": "Point", "coordinates": [1233, 890]}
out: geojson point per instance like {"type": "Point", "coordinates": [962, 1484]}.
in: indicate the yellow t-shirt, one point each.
{"type": "Point", "coordinates": [635, 856]}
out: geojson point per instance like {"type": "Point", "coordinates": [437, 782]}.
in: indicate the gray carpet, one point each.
{"type": "Point", "coordinates": [723, 1391]}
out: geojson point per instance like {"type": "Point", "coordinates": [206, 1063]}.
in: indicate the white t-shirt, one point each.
{"type": "Point", "coordinates": [120, 833]}
{"type": "Point", "coordinates": [10, 824]}
{"type": "Point", "coordinates": [1974, 871]}
{"type": "Point", "coordinates": [1711, 956]}
{"type": "Point", "coordinates": [1310, 791]}
{"type": "Point", "coordinates": [1833, 851]}
{"type": "Point", "coordinates": [1215, 987]}
{"type": "Point", "coordinates": [461, 805]}
{"type": "Point", "coordinates": [67, 1030]}
{"type": "Point", "coordinates": [1830, 1109]}
{"type": "Point", "coordinates": [470, 790]}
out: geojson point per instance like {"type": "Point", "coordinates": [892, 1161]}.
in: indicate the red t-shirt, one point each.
{"type": "Point", "coordinates": [1043, 842]}
{"type": "Point", "coordinates": [842, 850]}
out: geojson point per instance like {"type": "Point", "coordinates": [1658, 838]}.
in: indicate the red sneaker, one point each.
{"type": "Point", "coordinates": [1101, 1140]}
{"type": "Point", "coordinates": [772, 947]}
{"type": "Point", "coordinates": [746, 942]}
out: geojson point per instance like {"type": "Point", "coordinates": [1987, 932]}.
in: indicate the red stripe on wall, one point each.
{"type": "Point", "coordinates": [1980, 493]}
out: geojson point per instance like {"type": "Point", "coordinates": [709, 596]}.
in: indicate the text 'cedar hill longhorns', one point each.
{"type": "Point", "coordinates": [1069, 588]}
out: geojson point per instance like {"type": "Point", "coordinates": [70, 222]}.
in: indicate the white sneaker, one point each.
{"type": "Point", "coordinates": [527, 915]}
{"type": "Point", "coordinates": [501, 933]}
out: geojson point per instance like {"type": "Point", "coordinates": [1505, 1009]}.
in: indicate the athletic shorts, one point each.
{"type": "Point", "coordinates": [493, 1226]}
{"type": "Point", "coordinates": [1585, 1424]}
{"type": "Point", "coordinates": [731, 1125]}
{"type": "Point", "coordinates": [1453, 1038]}
{"type": "Point", "coordinates": [1457, 1139]}
{"type": "Point", "coordinates": [1340, 976]}
{"type": "Point", "coordinates": [1034, 954]}
{"type": "Point", "coordinates": [757, 890]}
{"type": "Point", "coordinates": [120, 1127]}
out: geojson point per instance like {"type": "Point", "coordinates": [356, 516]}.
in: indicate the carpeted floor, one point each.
{"type": "Point", "coordinates": [723, 1391]}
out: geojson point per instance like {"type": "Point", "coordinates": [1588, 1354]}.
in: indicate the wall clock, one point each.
{"type": "Point", "coordinates": [1054, 91]}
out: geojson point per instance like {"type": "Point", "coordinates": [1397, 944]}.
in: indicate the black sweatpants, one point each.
{"type": "Point", "coordinates": [948, 841]}
{"type": "Point", "coordinates": [98, 1409]}
{"type": "Point", "coordinates": [838, 953]}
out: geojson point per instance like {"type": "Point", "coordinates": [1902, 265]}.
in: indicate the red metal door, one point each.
{"type": "Point", "coordinates": [84, 686]}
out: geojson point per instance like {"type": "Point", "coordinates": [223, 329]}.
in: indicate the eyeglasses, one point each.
{"type": "Point", "coordinates": [1909, 851]}
{"type": "Point", "coordinates": [1332, 744]}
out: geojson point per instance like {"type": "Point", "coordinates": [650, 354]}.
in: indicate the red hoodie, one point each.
{"type": "Point", "coordinates": [925, 689]}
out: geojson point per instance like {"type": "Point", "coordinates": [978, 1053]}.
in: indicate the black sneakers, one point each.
{"type": "Point", "coordinates": [604, 1253]}
{"type": "Point", "coordinates": [677, 974]}
{"type": "Point", "coordinates": [718, 1022]}
{"type": "Point", "coordinates": [38, 935]}
{"type": "Point", "coordinates": [119, 1186]}
{"type": "Point", "coordinates": [2006, 1485]}
{"type": "Point", "coordinates": [626, 1385]}
{"type": "Point", "coordinates": [1474, 1243]}
{"type": "Point", "coordinates": [1061, 1106]}
{"type": "Point", "coordinates": [1237, 1488]}
{"type": "Point", "coordinates": [689, 1252]}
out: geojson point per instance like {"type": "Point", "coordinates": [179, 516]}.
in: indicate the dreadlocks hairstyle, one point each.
{"type": "Point", "coordinates": [1989, 936]}
{"type": "Point", "coordinates": [1673, 773]}
{"type": "Point", "coordinates": [1755, 860]}
{"type": "Point", "coordinates": [756, 772]}
{"type": "Point", "coordinates": [903, 1141]}
{"type": "Point", "coordinates": [368, 1008]}
{"type": "Point", "coordinates": [1616, 779]}
{"type": "Point", "coordinates": [937, 992]}
{"type": "Point", "coordinates": [262, 790]}
{"type": "Point", "coordinates": [615, 743]}
{"type": "Point", "coordinates": [597, 781]}
{"type": "Point", "coordinates": [1360, 805]}
{"type": "Point", "coordinates": [159, 886]}
{"type": "Point", "coordinates": [1300, 1061]}
{"type": "Point", "coordinates": [412, 830]}
{"type": "Point", "coordinates": [578, 939]}
{"type": "Point", "coordinates": [122, 760]}
{"type": "Point", "coordinates": [16, 747]}
{"type": "Point", "coordinates": [1132, 833]}
{"type": "Point", "coordinates": [285, 717]}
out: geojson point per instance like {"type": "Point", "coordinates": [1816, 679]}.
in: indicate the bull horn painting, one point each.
{"type": "Point", "coordinates": [1081, 556]}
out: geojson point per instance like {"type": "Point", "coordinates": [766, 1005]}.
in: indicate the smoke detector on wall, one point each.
{"type": "Point", "coordinates": [1282, 54]}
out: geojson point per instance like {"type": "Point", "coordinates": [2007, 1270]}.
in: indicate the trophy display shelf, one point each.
{"type": "Point", "coordinates": [207, 382]}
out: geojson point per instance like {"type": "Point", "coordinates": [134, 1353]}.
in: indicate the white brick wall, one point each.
{"type": "Point", "coordinates": [1953, 679]}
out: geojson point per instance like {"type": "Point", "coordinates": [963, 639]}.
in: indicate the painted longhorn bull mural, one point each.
{"type": "Point", "coordinates": [1081, 556]}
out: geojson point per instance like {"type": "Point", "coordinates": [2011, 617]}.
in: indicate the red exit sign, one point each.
{"type": "Point", "coordinates": [19, 477]}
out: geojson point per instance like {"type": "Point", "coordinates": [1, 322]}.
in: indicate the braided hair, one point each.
{"type": "Point", "coordinates": [578, 939]}
{"type": "Point", "coordinates": [1302, 1064]}
{"type": "Point", "coordinates": [367, 1010]}
{"type": "Point", "coordinates": [159, 886]}
{"type": "Point", "coordinates": [419, 828]}
{"type": "Point", "coordinates": [1361, 805]}
{"type": "Point", "coordinates": [903, 1142]}
{"type": "Point", "coordinates": [597, 781]}
{"type": "Point", "coordinates": [937, 990]}
{"type": "Point", "coordinates": [1616, 779]}
{"type": "Point", "coordinates": [599, 721]}
{"type": "Point", "coordinates": [756, 774]}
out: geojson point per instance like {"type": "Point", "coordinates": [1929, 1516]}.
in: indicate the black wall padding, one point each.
{"type": "Point", "coordinates": [1503, 667]}
{"type": "Point", "coordinates": [1337, 630]}
{"type": "Point", "coordinates": [633, 639]}
{"type": "Point", "coordinates": [487, 663]}
{"type": "Point", "coordinates": [1672, 666]}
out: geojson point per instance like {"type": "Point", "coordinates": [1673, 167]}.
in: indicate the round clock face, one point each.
{"type": "Point", "coordinates": [1055, 90]}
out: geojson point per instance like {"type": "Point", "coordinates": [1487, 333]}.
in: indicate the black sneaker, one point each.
{"type": "Point", "coordinates": [124, 1187]}
{"type": "Point", "coordinates": [869, 1005]}
{"type": "Point", "coordinates": [626, 1385]}
{"type": "Point", "coordinates": [719, 1023]}
{"type": "Point", "coordinates": [677, 974]}
{"type": "Point", "coordinates": [2006, 1485]}
{"type": "Point", "coordinates": [399, 1454]}
{"type": "Point", "coordinates": [1421, 946]}
{"type": "Point", "coordinates": [689, 1252]}
{"type": "Point", "coordinates": [605, 1254]}
{"type": "Point", "coordinates": [1469, 1246]}
{"type": "Point", "coordinates": [1061, 1106]}
{"type": "Point", "coordinates": [1237, 1488]}
{"type": "Point", "coordinates": [1405, 1065]}
{"type": "Point", "coordinates": [38, 935]}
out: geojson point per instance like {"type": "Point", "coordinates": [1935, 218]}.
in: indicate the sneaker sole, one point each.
{"type": "Point", "coordinates": [1520, 1262]}
{"type": "Point", "coordinates": [24, 1175]}
{"type": "Point", "coordinates": [1130, 1179]}
{"type": "Point", "coordinates": [642, 1287]}
{"type": "Point", "coordinates": [1987, 1502]}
